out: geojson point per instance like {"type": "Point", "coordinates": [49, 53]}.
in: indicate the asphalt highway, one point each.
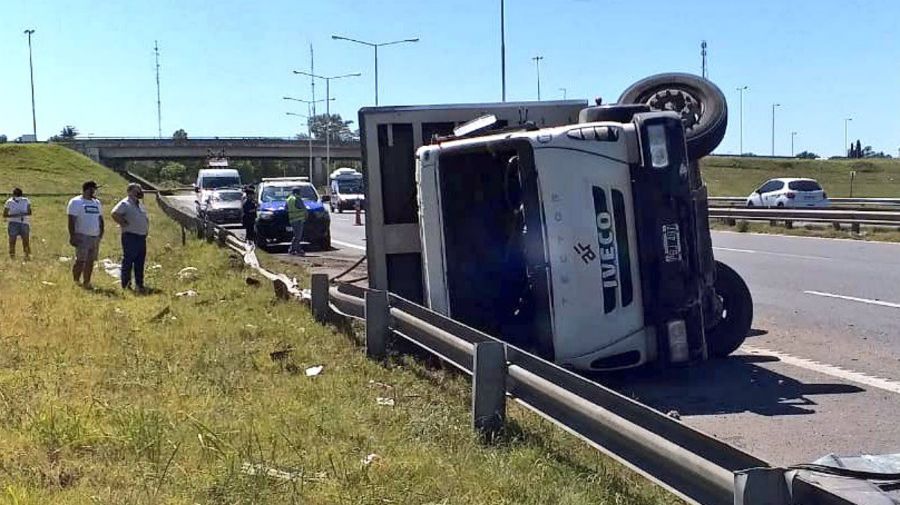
{"type": "Point", "coordinates": [819, 375]}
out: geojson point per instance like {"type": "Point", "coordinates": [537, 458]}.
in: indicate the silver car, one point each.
{"type": "Point", "coordinates": [221, 206]}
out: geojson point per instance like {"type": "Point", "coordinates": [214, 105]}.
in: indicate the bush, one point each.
{"type": "Point", "coordinates": [743, 226]}
{"type": "Point", "coordinates": [172, 171]}
{"type": "Point", "coordinates": [3, 139]}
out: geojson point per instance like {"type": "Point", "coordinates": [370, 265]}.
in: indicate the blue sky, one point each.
{"type": "Point", "coordinates": [226, 64]}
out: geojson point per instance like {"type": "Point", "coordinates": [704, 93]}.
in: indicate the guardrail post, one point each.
{"type": "Point", "coordinates": [221, 236]}
{"type": "Point", "coordinates": [854, 227]}
{"type": "Point", "coordinates": [489, 389]}
{"type": "Point", "coordinates": [183, 236]}
{"type": "Point", "coordinates": [377, 316]}
{"type": "Point", "coordinates": [789, 224]}
{"type": "Point", "coordinates": [836, 226]}
{"type": "Point", "coordinates": [761, 486]}
{"type": "Point", "coordinates": [319, 286]}
{"type": "Point", "coordinates": [209, 232]}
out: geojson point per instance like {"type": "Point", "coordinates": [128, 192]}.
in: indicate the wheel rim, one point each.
{"type": "Point", "coordinates": [678, 100]}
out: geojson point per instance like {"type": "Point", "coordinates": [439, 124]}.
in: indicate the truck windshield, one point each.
{"type": "Point", "coordinates": [281, 193]}
{"type": "Point", "coordinates": [350, 186]}
{"type": "Point", "coordinates": [493, 240]}
{"type": "Point", "coordinates": [220, 182]}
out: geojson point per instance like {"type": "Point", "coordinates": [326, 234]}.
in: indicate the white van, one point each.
{"type": "Point", "coordinates": [346, 187]}
{"type": "Point", "coordinates": [211, 179]}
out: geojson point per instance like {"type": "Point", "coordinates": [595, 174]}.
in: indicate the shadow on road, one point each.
{"type": "Point", "coordinates": [723, 386]}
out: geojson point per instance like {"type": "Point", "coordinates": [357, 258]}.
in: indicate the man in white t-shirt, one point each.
{"type": "Point", "coordinates": [16, 211]}
{"type": "Point", "coordinates": [85, 232]}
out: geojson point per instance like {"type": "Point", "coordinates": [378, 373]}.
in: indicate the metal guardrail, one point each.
{"type": "Point", "coordinates": [842, 203]}
{"type": "Point", "coordinates": [854, 217]}
{"type": "Point", "coordinates": [689, 463]}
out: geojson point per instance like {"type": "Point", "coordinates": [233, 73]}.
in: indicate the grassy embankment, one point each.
{"type": "Point", "coordinates": [740, 176]}
{"type": "Point", "coordinates": [108, 397]}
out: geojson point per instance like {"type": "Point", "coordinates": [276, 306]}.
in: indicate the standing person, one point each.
{"type": "Point", "coordinates": [16, 211]}
{"type": "Point", "coordinates": [248, 214]}
{"type": "Point", "coordinates": [86, 229]}
{"type": "Point", "coordinates": [131, 216]}
{"type": "Point", "coordinates": [297, 216]}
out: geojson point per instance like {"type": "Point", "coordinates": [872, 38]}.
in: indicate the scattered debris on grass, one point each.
{"type": "Point", "coordinates": [314, 370]}
{"type": "Point", "coordinates": [188, 293]}
{"type": "Point", "coordinates": [187, 273]}
{"type": "Point", "coordinates": [48, 283]}
{"type": "Point", "coordinates": [371, 458]}
{"type": "Point", "coordinates": [275, 473]}
{"type": "Point", "coordinates": [161, 314]}
{"type": "Point", "coordinates": [64, 259]}
{"type": "Point", "coordinates": [112, 268]}
{"type": "Point", "coordinates": [384, 402]}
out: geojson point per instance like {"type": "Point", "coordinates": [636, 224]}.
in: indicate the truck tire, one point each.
{"type": "Point", "coordinates": [701, 104]}
{"type": "Point", "coordinates": [737, 308]}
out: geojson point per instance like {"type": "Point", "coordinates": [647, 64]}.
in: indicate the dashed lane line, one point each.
{"type": "Point", "coordinates": [783, 255]}
{"type": "Point", "coordinates": [855, 299]}
{"type": "Point", "coordinates": [826, 369]}
{"type": "Point", "coordinates": [348, 244]}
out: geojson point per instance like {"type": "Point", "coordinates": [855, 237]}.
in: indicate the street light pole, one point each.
{"type": "Point", "coordinates": [327, 110]}
{"type": "Point", "coordinates": [846, 149]}
{"type": "Point", "coordinates": [308, 132]}
{"type": "Point", "coordinates": [537, 65]}
{"type": "Point", "coordinates": [374, 45]}
{"type": "Point", "coordinates": [564, 92]}
{"type": "Point", "coordinates": [742, 89]}
{"type": "Point", "coordinates": [503, 49]}
{"type": "Point", "coordinates": [773, 126]}
{"type": "Point", "coordinates": [311, 111]}
{"type": "Point", "coordinates": [29, 32]}
{"type": "Point", "coordinates": [793, 134]}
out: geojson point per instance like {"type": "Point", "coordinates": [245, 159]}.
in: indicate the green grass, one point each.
{"type": "Point", "coordinates": [878, 234]}
{"type": "Point", "coordinates": [108, 397]}
{"type": "Point", "coordinates": [48, 168]}
{"type": "Point", "coordinates": [740, 176]}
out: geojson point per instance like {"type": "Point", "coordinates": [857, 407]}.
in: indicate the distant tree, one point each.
{"type": "Point", "coordinates": [340, 129]}
{"type": "Point", "coordinates": [3, 139]}
{"type": "Point", "coordinates": [749, 155]}
{"type": "Point", "coordinates": [173, 171]}
{"type": "Point", "coordinates": [858, 149]}
{"type": "Point", "coordinates": [180, 135]}
{"type": "Point", "coordinates": [301, 136]}
{"type": "Point", "coordinates": [67, 134]}
{"type": "Point", "coordinates": [806, 155]}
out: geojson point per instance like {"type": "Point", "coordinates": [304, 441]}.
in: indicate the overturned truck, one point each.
{"type": "Point", "coordinates": [577, 232]}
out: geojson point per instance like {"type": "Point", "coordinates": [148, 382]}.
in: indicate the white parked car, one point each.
{"type": "Point", "coordinates": [788, 192]}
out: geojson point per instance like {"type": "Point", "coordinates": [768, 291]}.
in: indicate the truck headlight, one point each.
{"type": "Point", "coordinates": [659, 151]}
{"type": "Point", "coordinates": [678, 341]}
{"type": "Point", "coordinates": [266, 215]}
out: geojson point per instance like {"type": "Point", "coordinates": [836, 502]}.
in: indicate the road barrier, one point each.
{"type": "Point", "coordinates": [854, 217]}
{"type": "Point", "coordinates": [689, 463]}
{"type": "Point", "coordinates": [841, 203]}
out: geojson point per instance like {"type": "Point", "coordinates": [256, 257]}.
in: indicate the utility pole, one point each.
{"type": "Point", "coordinates": [741, 90]}
{"type": "Point", "coordinates": [846, 149]}
{"type": "Point", "coordinates": [773, 126]}
{"type": "Point", "coordinates": [375, 46]}
{"type": "Point", "coordinates": [312, 81]}
{"type": "Point", "coordinates": [703, 69]}
{"type": "Point", "coordinates": [503, 49]}
{"type": "Point", "coordinates": [158, 101]}
{"type": "Point", "coordinates": [327, 109]}
{"type": "Point", "coordinates": [537, 66]}
{"type": "Point", "coordinates": [793, 134]}
{"type": "Point", "coordinates": [29, 33]}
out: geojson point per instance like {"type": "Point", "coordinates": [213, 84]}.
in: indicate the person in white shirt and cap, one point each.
{"type": "Point", "coordinates": [17, 210]}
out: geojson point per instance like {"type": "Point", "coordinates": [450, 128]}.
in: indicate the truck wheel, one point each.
{"type": "Point", "coordinates": [261, 243]}
{"type": "Point", "coordinates": [324, 244]}
{"type": "Point", "coordinates": [737, 313]}
{"type": "Point", "coordinates": [700, 103]}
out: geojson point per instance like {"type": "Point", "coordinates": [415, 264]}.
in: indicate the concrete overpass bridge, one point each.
{"type": "Point", "coordinates": [113, 151]}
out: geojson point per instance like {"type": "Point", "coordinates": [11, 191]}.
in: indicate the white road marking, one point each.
{"type": "Point", "coordinates": [826, 369]}
{"type": "Point", "coordinates": [785, 255]}
{"type": "Point", "coordinates": [855, 299]}
{"type": "Point", "coordinates": [348, 244]}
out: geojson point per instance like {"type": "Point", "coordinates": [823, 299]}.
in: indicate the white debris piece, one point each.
{"type": "Point", "coordinates": [155, 267]}
{"type": "Point", "coordinates": [384, 402]}
{"type": "Point", "coordinates": [275, 473]}
{"type": "Point", "coordinates": [48, 283]}
{"type": "Point", "coordinates": [371, 458]}
{"type": "Point", "coordinates": [188, 293]}
{"type": "Point", "coordinates": [314, 370]}
{"type": "Point", "coordinates": [187, 273]}
{"type": "Point", "coordinates": [64, 259]}
{"type": "Point", "coordinates": [112, 268]}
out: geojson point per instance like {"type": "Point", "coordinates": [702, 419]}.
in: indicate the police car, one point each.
{"type": "Point", "coordinates": [272, 224]}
